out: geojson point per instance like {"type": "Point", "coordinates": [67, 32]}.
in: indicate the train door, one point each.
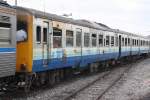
{"type": "Point", "coordinates": [79, 43]}
{"type": "Point", "coordinates": [45, 43]}
{"type": "Point", "coordinates": [119, 46]}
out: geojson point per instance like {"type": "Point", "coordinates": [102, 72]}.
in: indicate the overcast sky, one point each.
{"type": "Point", "coordinates": [128, 15]}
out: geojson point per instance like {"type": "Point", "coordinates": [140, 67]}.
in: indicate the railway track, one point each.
{"type": "Point", "coordinates": [72, 92]}
{"type": "Point", "coordinates": [98, 93]}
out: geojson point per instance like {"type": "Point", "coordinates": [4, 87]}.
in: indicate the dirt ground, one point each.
{"type": "Point", "coordinates": [135, 85]}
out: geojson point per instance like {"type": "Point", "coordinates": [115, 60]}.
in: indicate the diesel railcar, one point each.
{"type": "Point", "coordinates": [7, 42]}
{"type": "Point", "coordinates": [55, 45]}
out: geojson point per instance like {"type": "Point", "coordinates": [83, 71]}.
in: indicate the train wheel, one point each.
{"type": "Point", "coordinates": [28, 83]}
{"type": "Point", "coordinates": [51, 80]}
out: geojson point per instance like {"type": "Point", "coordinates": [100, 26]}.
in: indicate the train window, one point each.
{"type": "Point", "coordinates": [143, 42]}
{"type": "Point", "coordinates": [104, 42]}
{"type": "Point", "coordinates": [78, 39]}
{"type": "Point", "coordinates": [38, 34]}
{"type": "Point", "coordinates": [86, 39]}
{"type": "Point", "coordinates": [137, 42]}
{"type": "Point", "coordinates": [22, 34]}
{"type": "Point", "coordinates": [122, 41]}
{"type": "Point", "coordinates": [5, 33]}
{"type": "Point", "coordinates": [147, 43]}
{"type": "Point", "coordinates": [69, 38]}
{"type": "Point", "coordinates": [107, 40]}
{"type": "Point", "coordinates": [112, 40]}
{"type": "Point", "coordinates": [45, 35]}
{"type": "Point", "coordinates": [116, 40]}
{"type": "Point", "coordinates": [134, 42]}
{"type": "Point", "coordinates": [126, 41]}
{"type": "Point", "coordinates": [94, 38]}
{"type": "Point", "coordinates": [100, 40]}
{"type": "Point", "coordinates": [57, 38]}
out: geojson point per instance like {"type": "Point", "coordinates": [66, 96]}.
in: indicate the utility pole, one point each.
{"type": "Point", "coordinates": [15, 2]}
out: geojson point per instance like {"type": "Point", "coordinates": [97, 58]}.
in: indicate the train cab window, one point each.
{"type": "Point", "coordinates": [86, 39]}
{"type": "Point", "coordinates": [100, 40]}
{"type": "Point", "coordinates": [22, 34]}
{"type": "Point", "coordinates": [38, 34]}
{"type": "Point", "coordinates": [5, 33]}
{"type": "Point", "coordinates": [94, 38]}
{"type": "Point", "coordinates": [107, 40]}
{"type": "Point", "coordinates": [112, 40]}
{"type": "Point", "coordinates": [126, 42]}
{"type": "Point", "coordinates": [122, 41]}
{"type": "Point", "coordinates": [69, 38]}
{"type": "Point", "coordinates": [57, 38]}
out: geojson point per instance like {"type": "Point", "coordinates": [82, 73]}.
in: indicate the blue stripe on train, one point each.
{"type": "Point", "coordinates": [73, 61]}
{"type": "Point", "coordinates": [7, 50]}
{"type": "Point", "coordinates": [77, 61]}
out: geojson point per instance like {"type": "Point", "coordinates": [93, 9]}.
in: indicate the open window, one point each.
{"type": "Point", "coordinates": [22, 31]}
{"type": "Point", "coordinates": [94, 38]}
{"type": "Point", "coordinates": [87, 39]}
{"type": "Point", "coordinates": [69, 38]}
{"type": "Point", "coordinates": [57, 38]}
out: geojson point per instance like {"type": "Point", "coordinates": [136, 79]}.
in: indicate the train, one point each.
{"type": "Point", "coordinates": [54, 46]}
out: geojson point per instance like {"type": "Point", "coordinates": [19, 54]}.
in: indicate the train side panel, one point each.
{"type": "Point", "coordinates": [7, 41]}
{"type": "Point", "coordinates": [24, 48]}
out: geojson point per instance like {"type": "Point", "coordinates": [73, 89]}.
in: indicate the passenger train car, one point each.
{"type": "Point", "coordinates": [55, 44]}
{"type": "Point", "coordinates": [7, 41]}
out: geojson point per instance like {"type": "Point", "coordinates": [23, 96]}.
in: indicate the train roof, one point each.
{"type": "Point", "coordinates": [55, 17]}
{"type": "Point", "coordinates": [84, 23]}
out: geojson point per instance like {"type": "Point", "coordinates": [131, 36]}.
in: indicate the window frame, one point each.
{"type": "Point", "coordinates": [107, 40]}
{"type": "Point", "coordinates": [87, 39]}
{"type": "Point", "coordinates": [102, 42]}
{"type": "Point", "coordinates": [112, 42]}
{"type": "Point", "coordinates": [57, 36]}
{"type": "Point", "coordinates": [95, 38]}
{"type": "Point", "coordinates": [71, 36]}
